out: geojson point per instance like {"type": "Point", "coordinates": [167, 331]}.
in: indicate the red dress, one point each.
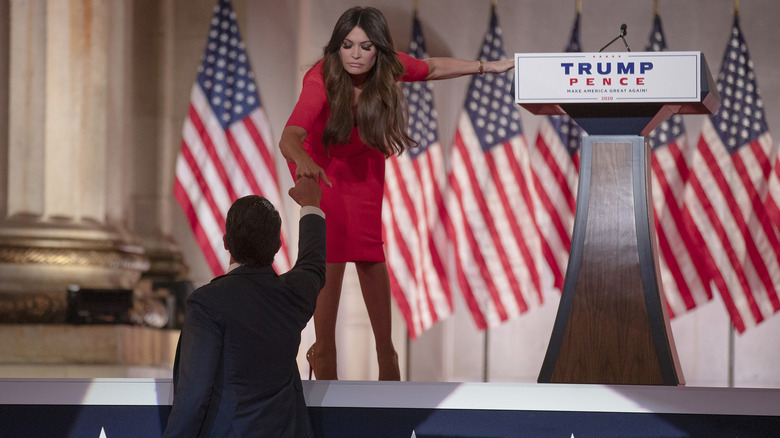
{"type": "Point", "coordinates": [353, 206]}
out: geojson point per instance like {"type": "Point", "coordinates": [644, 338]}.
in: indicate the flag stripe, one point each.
{"type": "Point", "coordinates": [673, 270]}
{"type": "Point", "coordinates": [773, 197]}
{"type": "Point", "coordinates": [401, 279]}
{"type": "Point", "coordinates": [508, 191]}
{"type": "Point", "coordinates": [194, 140]}
{"type": "Point", "coordinates": [199, 190]}
{"type": "Point", "coordinates": [555, 165]}
{"type": "Point", "coordinates": [399, 254]}
{"type": "Point", "coordinates": [200, 219]}
{"type": "Point", "coordinates": [438, 230]}
{"type": "Point", "coordinates": [554, 193]}
{"type": "Point", "coordinates": [467, 271]}
{"type": "Point", "coordinates": [210, 142]}
{"type": "Point", "coordinates": [423, 170]}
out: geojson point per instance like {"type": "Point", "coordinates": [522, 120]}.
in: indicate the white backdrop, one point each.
{"type": "Point", "coordinates": [285, 38]}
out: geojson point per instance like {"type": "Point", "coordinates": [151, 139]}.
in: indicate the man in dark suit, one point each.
{"type": "Point", "coordinates": [236, 372]}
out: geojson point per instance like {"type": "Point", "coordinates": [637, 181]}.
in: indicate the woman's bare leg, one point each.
{"type": "Point", "coordinates": [375, 284]}
{"type": "Point", "coordinates": [324, 349]}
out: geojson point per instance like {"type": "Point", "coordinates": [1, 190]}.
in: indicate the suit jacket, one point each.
{"type": "Point", "coordinates": [236, 373]}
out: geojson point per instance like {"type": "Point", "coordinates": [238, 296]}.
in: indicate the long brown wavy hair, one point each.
{"type": "Point", "coordinates": [381, 110]}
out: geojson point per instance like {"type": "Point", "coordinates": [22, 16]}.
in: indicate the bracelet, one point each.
{"type": "Point", "coordinates": [481, 67]}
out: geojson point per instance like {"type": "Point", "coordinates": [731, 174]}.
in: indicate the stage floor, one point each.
{"type": "Point", "coordinates": [114, 408]}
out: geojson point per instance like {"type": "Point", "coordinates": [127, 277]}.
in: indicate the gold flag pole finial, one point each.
{"type": "Point", "coordinates": [655, 8]}
{"type": "Point", "coordinates": [736, 7]}
{"type": "Point", "coordinates": [493, 3]}
{"type": "Point", "coordinates": [414, 6]}
{"type": "Point", "coordinates": [578, 6]}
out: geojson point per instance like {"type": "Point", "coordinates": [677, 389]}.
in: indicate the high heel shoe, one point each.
{"type": "Point", "coordinates": [310, 359]}
{"type": "Point", "coordinates": [326, 364]}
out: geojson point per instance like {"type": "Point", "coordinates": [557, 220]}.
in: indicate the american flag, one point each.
{"type": "Point", "coordinates": [489, 204]}
{"type": "Point", "coordinates": [683, 274]}
{"type": "Point", "coordinates": [725, 192]}
{"type": "Point", "coordinates": [416, 241]}
{"type": "Point", "coordinates": [226, 149]}
{"type": "Point", "coordinates": [555, 170]}
{"type": "Point", "coordinates": [773, 197]}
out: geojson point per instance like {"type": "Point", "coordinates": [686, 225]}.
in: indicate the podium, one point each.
{"type": "Point", "coordinates": [612, 326]}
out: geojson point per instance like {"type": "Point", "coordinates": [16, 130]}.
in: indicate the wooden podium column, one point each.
{"type": "Point", "coordinates": [612, 326]}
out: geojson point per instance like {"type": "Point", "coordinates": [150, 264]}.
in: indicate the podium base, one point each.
{"type": "Point", "coordinates": [611, 326]}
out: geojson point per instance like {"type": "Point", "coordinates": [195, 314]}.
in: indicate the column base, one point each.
{"type": "Point", "coordinates": [40, 259]}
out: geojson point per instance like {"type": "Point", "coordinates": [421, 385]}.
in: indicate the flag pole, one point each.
{"type": "Point", "coordinates": [736, 7]}
{"type": "Point", "coordinates": [731, 355]}
{"type": "Point", "coordinates": [578, 6]}
{"type": "Point", "coordinates": [485, 351]}
{"type": "Point", "coordinates": [408, 359]}
{"type": "Point", "coordinates": [655, 8]}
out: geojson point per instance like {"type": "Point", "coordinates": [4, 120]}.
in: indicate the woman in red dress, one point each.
{"type": "Point", "coordinates": [350, 117]}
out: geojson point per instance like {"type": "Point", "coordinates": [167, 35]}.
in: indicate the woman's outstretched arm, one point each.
{"type": "Point", "coordinates": [446, 68]}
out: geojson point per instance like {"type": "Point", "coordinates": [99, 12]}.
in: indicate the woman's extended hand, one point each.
{"type": "Point", "coordinates": [305, 167]}
{"type": "Point", "coordinates": [291, 145]}
{"type": "Point", "coordinates": [499, 66]}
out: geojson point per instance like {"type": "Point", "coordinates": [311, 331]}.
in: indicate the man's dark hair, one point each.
{"type": "Point", "coordinates": [253, 231]}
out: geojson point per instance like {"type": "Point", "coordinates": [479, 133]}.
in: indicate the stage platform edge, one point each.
{"type": "Point", "coordinates": [140, 407]}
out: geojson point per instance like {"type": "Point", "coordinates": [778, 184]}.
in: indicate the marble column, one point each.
{"type": "Point", "coordinates": [160, 80]}
{"type": "Point", "coordinates": [64, 203]}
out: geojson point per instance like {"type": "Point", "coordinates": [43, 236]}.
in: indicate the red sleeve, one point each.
{"type": "Point", "coordinates": [416, 69]}
{"type": "Point", "coordinates": [312, 100]}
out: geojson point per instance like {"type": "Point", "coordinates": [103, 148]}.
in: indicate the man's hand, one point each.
{"type": "Point", "coordinates": [306, 192]}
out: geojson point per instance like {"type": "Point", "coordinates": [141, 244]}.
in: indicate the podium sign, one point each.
{"type": "Point", "coordinates": [611, 326]}
{"type": "Point", "coordinates": [607, 77]}
{"type": "Point", "coordinates": [615, 93]}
